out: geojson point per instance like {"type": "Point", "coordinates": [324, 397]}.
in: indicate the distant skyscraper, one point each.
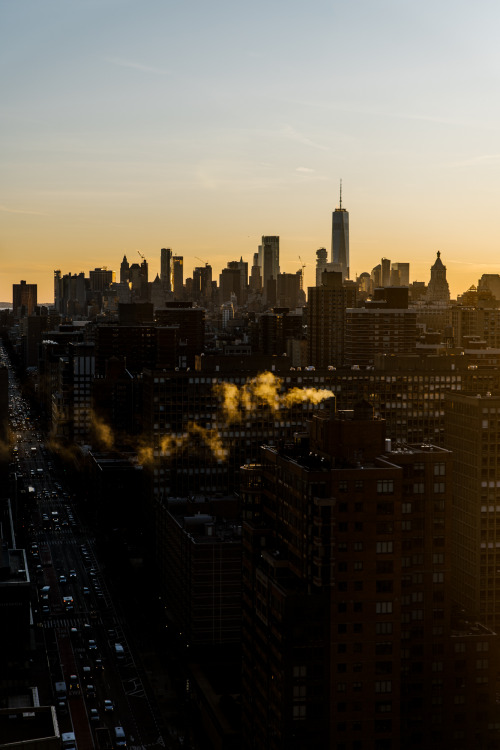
{"type": "Point", "coordinates": [100, 279]}
{"type": "Point", "coordinates": [178, 276]}
{"type": "Point", "coordinates": [438, 289]}
{"type": "Point", "coordinates": [385, 265]}
{"type": "Point", "coordinates": [269, 261]}
{"type": "Point", "coordinates": [166, 269]}
{"type": "Point", "coordinates": [124, 270]}
{"type": "Point", "coordinates": [321, 261]}
{"type": "Point", "coordinates": [404, 273]}
{"type": "Point", "coordinates": [24, 299]}
{"type": "Point", "coordinates": [340, 237]}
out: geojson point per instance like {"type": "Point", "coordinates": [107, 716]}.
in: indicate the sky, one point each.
{"type": "Point", "coordinates": [129, 126]}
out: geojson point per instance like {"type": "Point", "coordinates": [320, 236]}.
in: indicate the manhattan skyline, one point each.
{"type": "Point", "coordinates": [202, 129]}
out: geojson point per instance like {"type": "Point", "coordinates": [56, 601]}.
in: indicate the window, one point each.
{"type": "Point", "coordinates": [406, 507]}
{"type": "Point", "coordinates": [383, 547]}
{"type": "Point", "coordinates": [385, 486]}
{"type": "Point", "coordinates": [299, 713]}
{"type": "Point", "coordinates": [385, 509]}
{"type": "Point", "coordinates": [383, 608]}
{"type": "Point", "coordinates": [438, 487]}
{"type": "Point", "coordinates": [383, 686]}
{"type": "Point", "coordinates": [439, 470]}
{"type": "Point", "coordinates": [383, 628]}
{"type": "Point", "coordinates": [418, 488]}
{"type": "Point", "coordinates": [343, 485]}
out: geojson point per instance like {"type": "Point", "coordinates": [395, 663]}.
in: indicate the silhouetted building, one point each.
{"type": "Point", "coordinates": [178, 276]}
{"type": "Point", "coordinates": [269, 262]}
{"type": "Point", "coordinates": [384, 325]}
{"type": "Point", "coordinates": [101, 279]}
{"type": "Point", "coordinates": [348, 638]}
{"type": "Point", "coordinates": [326, 309]}
{"type": "Point", "coordinates": [438, 289]}
{"type": "Point", "coordinates": [472, 427]}
{"type": "Point", "coordinates": [166, 272]}
{"type": "Point", "coordinates": [24, 299]}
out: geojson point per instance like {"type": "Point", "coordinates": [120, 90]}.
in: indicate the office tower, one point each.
{"type": "Point", "coordinates": [230, 284]}
{"type": "Point", "coordinates": [404, 273]}
{"type": "Point", "coordinates": [166, 269]}
{"type": "Point", "coordinates": [202, 284]}
{"type": "Point", "coordinates": [288, 289]}
{"type": "Point", "coordinates": [124, 270]}
{"type": "Point", "coordinates": [190, 323]}
{"type": "Point", "coordinates": [269, 261]}
{"type": "Point", "coordinates": [71, 402]}
{"type": "Point", "coordinates": [70, 293]}
{"type": "Point", "coordinates": [472, 428]}
{"type": "Point", "coordinates": [438, 289]}
{"type": "Point", "coordinates": [490, 282]}
{"type": "Point", "coordinates": [384, 325]}
{"type": "Point", "coordinates": [385, 268]}
{"type": "Point", "coordinates": [340, 238]}
{"type": "Point", "coordinates": [24, 299]}
{"type": "Point", "coordinates": [321, 262]}
{"type": "Point", "coordinates": [178, 276]}
{"type": "Point", "coordinates": [348, 633]}
{"type": "Point", "coordinates": [255, 283]}
{"type": "Point", "coordinates": [276, 328]}
{"type": "Point", "coordinates": [242, 266]}
{"type": "Point", "coordinates": [326, 310]}
{"type": "Point", "coordinates": [376, 276]}
{"type": "Point", "coordinates": [138, 278]}
{"type": "Point", "coordinates": [100, 279]}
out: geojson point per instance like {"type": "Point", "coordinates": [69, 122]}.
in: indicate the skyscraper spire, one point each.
{"type": "Point", "coordinates": [340, 193]}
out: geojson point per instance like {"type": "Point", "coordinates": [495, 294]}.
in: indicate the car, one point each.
{"type": "Point", "coordinates": [90, 691]}
{"type": "Point", "coordinates": [86, 591]}
{"type": "Point", "coordinates": [62, 579]}
{"type": "Point", "coordinates": [74, 684]}
{"type": "Point", "coordinates": [46, 609]}
{"type": "Point", "coordinates": [94, 715]}
{"type": "Point", "coordinates": [72, 573]}
{"type": "Point", "coordinates": [108, 705]}
{"type": "Point", "coordinates": [86, 670]}
{"type": "Point", "coordinates": [92, 645]}
{"type": "Point", "coordinates": [98, 664]}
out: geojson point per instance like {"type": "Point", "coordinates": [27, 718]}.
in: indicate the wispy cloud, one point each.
{"type": "Point", "coordinates": [8, 210]}
{"type": "Point", "coordinates": [307, 170]}
{"type": "Point", "coordinates": [294, 135]}
{"type": "Point", "coordinates": [137, 66]}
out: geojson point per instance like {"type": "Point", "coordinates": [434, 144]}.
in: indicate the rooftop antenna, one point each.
{"type": "Point", "coordinates": [340, 194]}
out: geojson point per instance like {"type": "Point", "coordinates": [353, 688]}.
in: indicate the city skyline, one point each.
{"type": "Point", "coordinates": [202, 129]}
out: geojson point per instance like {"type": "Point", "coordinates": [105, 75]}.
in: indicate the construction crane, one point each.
{"type": "Point", "coordinates": [142, 256]}
{"type": "Point", "coordinates": [203, 261]}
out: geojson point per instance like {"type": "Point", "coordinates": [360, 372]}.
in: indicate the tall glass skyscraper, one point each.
{"type": "Point", "coordinates": [340, 238]}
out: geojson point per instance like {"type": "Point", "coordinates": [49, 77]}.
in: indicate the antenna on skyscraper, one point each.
{"type": "Point", "coordinates": [340, 193]}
